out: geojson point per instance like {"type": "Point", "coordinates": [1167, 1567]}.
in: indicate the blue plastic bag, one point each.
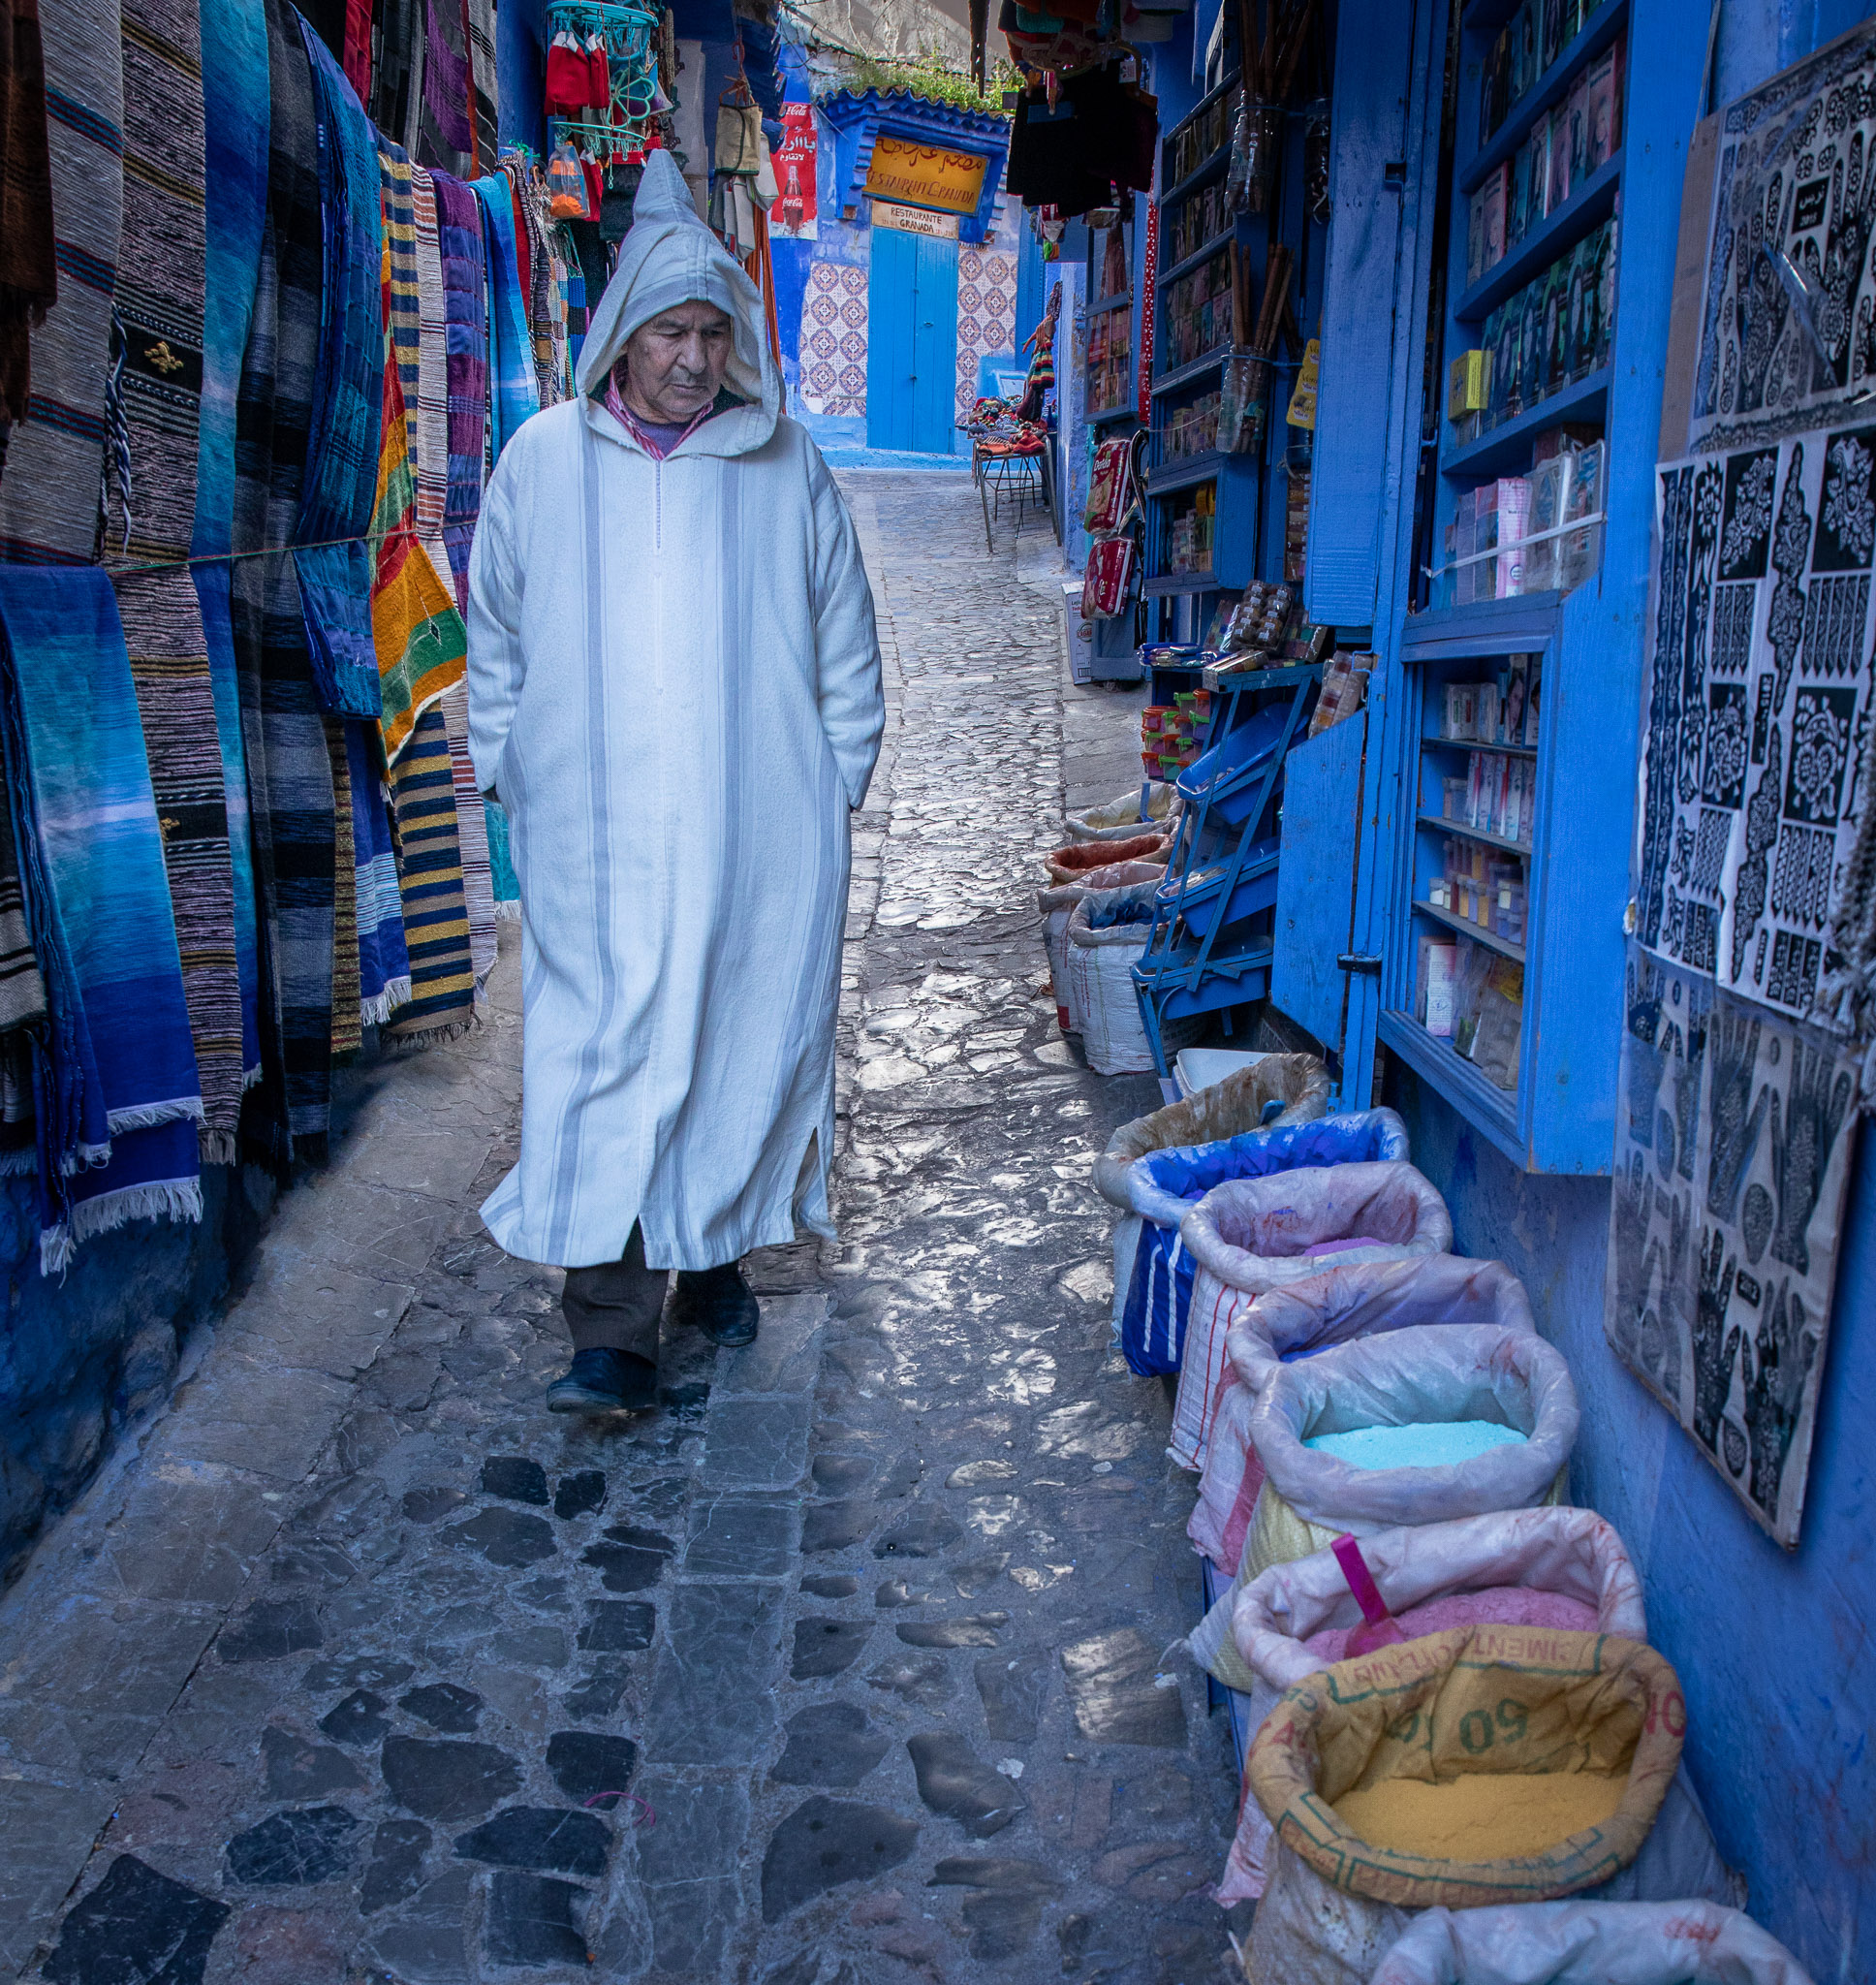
{"type": "Point", "coordinates": [1164, 1183]}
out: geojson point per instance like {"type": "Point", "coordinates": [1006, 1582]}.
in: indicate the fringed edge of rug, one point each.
{"type": "Point", "coordinates": [148, 1116]}
{"type": "Point", "coordinates": [218, 1147]}
{"type": "Point", "coordinates": [176, 1199]}
{"type": "Point", "coordinates": [250, 1077]}
{"type": "Point", "coordinates": [397, 992]}
{"type": "Point", "coordinates": [438, 1037]}
{"type": "Point", "coordinates": [18, 1164]}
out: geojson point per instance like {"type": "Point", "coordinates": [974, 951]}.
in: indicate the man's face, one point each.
{"type": "Point", "coordinates": [676, 362]}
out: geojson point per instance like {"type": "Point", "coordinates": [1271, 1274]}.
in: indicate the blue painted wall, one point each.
{"type": "Point", "coordinates": [1776, 1650]}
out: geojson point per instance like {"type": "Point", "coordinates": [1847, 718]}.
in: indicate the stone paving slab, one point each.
{"type": "Point", "coordinates": [840, 1668]}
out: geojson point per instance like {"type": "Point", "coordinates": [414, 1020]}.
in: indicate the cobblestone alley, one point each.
{"type": "Point", "coordinates": [843, 1668]}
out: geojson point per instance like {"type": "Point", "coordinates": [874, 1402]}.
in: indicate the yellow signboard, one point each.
{"type": "Point", "coordinates": [925, 176]}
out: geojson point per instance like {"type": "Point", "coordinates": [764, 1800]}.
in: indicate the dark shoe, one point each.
{"type": "Point", "coordinates": [605, 1382]}
{"type": "Point", "coordinates": [718, 1301]}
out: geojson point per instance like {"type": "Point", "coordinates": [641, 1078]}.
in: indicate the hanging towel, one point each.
{"type": "Point", "coordinates": [151, 516]}
{"type": "Point", "coordinates": [427, 418]}
{"type": "Point", "coordinates": [444, 135]}
{"type": "Point", "coordinates": [461, 240]}
{"type": "Point", "coordinates": [514, 392]}
{"type": "Point", "coordinates": [472, 836]}
{"type": "Point", "coordinates": [49, 495]}
{"type": "Point", "coordinates": [436, 919]}
{"type": "Point", "coordinates": [383, 964]}
{"type": "Point", "coordinates": [501, 869]}
{"type": "Point", "coordinates": [234, 90]}
{"type": "Point", "coordinates": [342, 463]}
{"type": "Point", "coordinates": [290, 775]}
{"type": "Point", "coordinates": [28, 263]}
{"type": "Point", "coordinates": [485, 97]}
{"type": "Point", "coordinates": [348, 1030]}
{"type": "Point", "coordinates": [120, 1058]}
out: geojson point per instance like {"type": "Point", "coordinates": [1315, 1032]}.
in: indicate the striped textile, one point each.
{"type": "Point", "coordinates": [472, 836]}
{"type": "Point", "coordinates": [397, 291]}
{"type": "Point", "coordinates": [234, 91]}
{"type": "Point", "coordinates": [348, 1030]}
{"type": "Point", "coordinates": [23, 985]}
{"type": "Point", "coordinates": [383, 964]}
{"type": "Point", "coordinates": [501, 869]}
{"type": "Point", "coordinates": [513, 391]}
{"type": "Point", "coordinates": [436, 919]}
{"type": "Point", "coordinates": [427, 416]}
{"type": "Point", "coordinates": [161, 278]}
{"type": "Point", "coordinates": [290, 775]}
{"type": "Point", "coordinates": [445, 139]}
{"type": "Point", "coordinates": [28, 256]}
{"type": "Point", "coordinates": [541, 290]}
{"type": "Point", "coordinates": [49, 497]}
{"type": "Point", "coordinates": [342, 461]}
{"type": "Point", "coordinates": [460, 238]}
{"type": "Point", "coordinates": [485, 105]}
{"type": "Point", "coordinates": [120, 1058]}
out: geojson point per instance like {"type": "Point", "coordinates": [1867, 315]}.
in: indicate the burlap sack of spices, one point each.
{"type": "Point", "coordinates": [1480, 1701]}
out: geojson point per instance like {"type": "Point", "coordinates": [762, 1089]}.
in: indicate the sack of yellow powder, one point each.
{"type": "Point", "coordinates": [1483, 1766]}
{"type": "Point", "coordinates": [1555, 1566]}
{"type": "Point", "coordinates": [1419, 1377]}
{"type": "Point", "coordinates": [1589, 1943]}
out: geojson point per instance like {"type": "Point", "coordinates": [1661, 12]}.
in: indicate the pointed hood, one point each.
{"type": "Point", "coordinates": [669, 257]}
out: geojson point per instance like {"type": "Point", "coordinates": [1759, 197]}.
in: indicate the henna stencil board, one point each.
{"type": "Point", "coordinates": [1734, 1133]}
{"type": "Point", "coordinates": [1759, 686]}
{"type": "Point", "coordinates": [1788, 317]}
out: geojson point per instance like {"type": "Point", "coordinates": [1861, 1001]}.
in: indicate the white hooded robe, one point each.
{"type": "Point", "coordinates": [674, 688]}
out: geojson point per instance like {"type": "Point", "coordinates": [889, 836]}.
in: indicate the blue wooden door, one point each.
{"type": "Point", "coordinates": [911, 338]}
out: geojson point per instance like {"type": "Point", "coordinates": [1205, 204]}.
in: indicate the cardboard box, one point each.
{"type": "Point", "coordinates": [1600, 126]}
{"type": "Point", "coordinates": [1468, 384]}
{"type": "Point", "coordinates": [1475, 237]}
{"type": "Point", "coordinates": [1557, 144]}
{"type": "Point", "coordinates": [1496, 191]}
{"type": "Point", "coordinates": [1439, 978]}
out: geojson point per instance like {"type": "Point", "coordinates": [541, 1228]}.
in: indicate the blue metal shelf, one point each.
{"type": "Point", "coordinates": [1592, 202]}
{"type": "Point", "coordinates": [1128, 412]}
{"type": "Point", "coordinates": [1163, 584]}
{"type": "Point", "coordinates": [1194, 369]}
{"type": "Point", "coordinates": [1187, 470]}
{"type": "Point", "coordinates": [1169, 276]}
{"type": "Point", "coordinates": [1508, 447]}
{"type": "Point", "coordinates": [1551, 89]}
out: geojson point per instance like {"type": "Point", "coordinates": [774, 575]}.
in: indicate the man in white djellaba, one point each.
{"type": "Point", "coordinates": [675, 692]}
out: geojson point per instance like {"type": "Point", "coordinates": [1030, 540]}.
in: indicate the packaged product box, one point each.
{"type": "Point", "coordinates": [1493, 97]}
{"type": "Point", "coordinates": [1527, 43]}
{"type": "Point", "coordinates": [1530, 346]}
{"type": "Point", "coordinates": [1514, 691]}
{"type": "Point", "coordinates": [1475, 236]}
{"type": "Point", "coordinates": [1554, 372]}
{"type": "Point", "coordinates": [1514, 510]}
{"type": "Point", "coordinates": [1497, 197]}
{"type": "Point", "coordinates": [1548, 481]}
{"type": "Point", "coordinates": [1519, 827]}
{"type": "Point", "coordinates": [1533, 695]}
{"type": "Point", "coordinates": [1438, 974]}
{"type": "Point", "coordinates": [1577, 118]}
{"type": "Point", "coordinates": [1557, 140]}
{"type": "Point", "coordinates": [1535, 170]}
{"type": "Point", "coordinates": [1553, 34]}
{"type": "Point", "coordinates": [1578, 333]}
{"type": "Point", "coordinates": [1484, 538]}
{"type": "Point", "coordinates": [1466, 384]}
{"type": "Point", "coordinates": [1578, 553]}
{"type": "Point", "coordinates": [1606, 238]}
{"type": "Point", "coordinates": [1504, 821]}
{"type": "Point", "coordinates": [1599, 117]}
{"type": "Point", "coordinates": [1484, 717]}
{"type": "Point", "coordinates": [1475, 788]}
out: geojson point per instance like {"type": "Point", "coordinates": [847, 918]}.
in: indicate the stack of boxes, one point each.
{"type": "Point", "coordinates": [1172, 733]}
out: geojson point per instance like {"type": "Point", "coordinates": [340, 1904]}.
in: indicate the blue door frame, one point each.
{"type": "Point", "coordinates": [911, 356]}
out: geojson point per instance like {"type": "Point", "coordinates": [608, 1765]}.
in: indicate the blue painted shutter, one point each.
{"type": "Point", "coordinates": [1362, 298]}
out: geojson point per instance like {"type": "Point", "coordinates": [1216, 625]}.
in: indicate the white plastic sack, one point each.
{"type": "Point", "coordinates": [1437, 1289]}
{"type": "Point", "coordinates": [1121, 818]}
{"type": "Point", "coordinates": [1118, 882]}
{"type": "Point", "coordinates": [1589, 1943]}
{"type": "Point", "coordinates": [1572, 1551]}
{"type": "Point", "coordinates": [1100, 966]}
{"type": "Point", "coordinates": [1252, 1235]}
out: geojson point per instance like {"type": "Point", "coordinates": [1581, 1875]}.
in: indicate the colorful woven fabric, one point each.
{"type": "Point", "coordinates": [161, 277]}
{"type": "Point", "coordinates": [540, 272]}
{"type": "Point", "coordinates": [514, 392]}
{"type": "Point", "coordinates": [290, 775]}
{"type": "Point", "coordinates": [501, 868]}
{"type": "Point", "coordinates": [383, 964]}
{"type": "Point", "coordinates": [445, 137]}
{"type": "Point", "coordinates": [23, 985]}
{"type": "Point", "coordinates": [418, 634]}
{"type": "Point", "coordinates": [29, 259]}
{"type": "Point", "coordinates": [342, 463]}
{"type": "Point", "coordinates": [49, 497]}
{"type": "Point", "coordinates": [436, 919]}
{"type": "Point", "coordinates": [234, 90]}
{"type": "Point", "coordinates": [460, 238]}
{"type": "Point", "coordinates": [426, 418]}
{"type": "Point", "coordinates": [472, 836]}
{"type": "Point", "coordinates": [348, 1030]}
{"type": "Point", "coordinates": [485, 104]}
{"type": "Point", "coordinates": [120, 1057]}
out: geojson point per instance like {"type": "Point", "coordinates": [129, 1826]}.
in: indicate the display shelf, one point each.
{"type": "Point", "coordinates": [1550, 89]}
{"type": "Point", "coordinates": [1200, 176]}
{"type": "Point", "coordinates": [1126, 410]}
{"type": "Point", "coordinates": [1169, 276]}
{"type": "Point", "coordinates": [1490, 1109]}
{"type": "Point", "coordinates": [1122, 300]}
{"type": "Point", "coordinates": [1194, 369]}
{"type": "Point", "coordinates": [1475, 834]}
{"type": "Point", "coordinates": [1508, 446]}
{"type": "Point", "coordinates": [1475, 744]}
{"type": "Point", "coordinates": [1592, 202]}
{"type": "Point", "coordinates": [1476, 932]}
{"type": "Point", "coordinates": [1187, 470]}
{"type": "Point", "coordinates": [1161, 585]}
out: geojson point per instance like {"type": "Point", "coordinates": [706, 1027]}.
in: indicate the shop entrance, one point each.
{"type": "Point", "coordinates": [912, 365]}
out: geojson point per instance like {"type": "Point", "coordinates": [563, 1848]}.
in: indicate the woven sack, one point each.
{"type": "Point", "coordinates": [1100, 971]}
{"type": "Point", "coordinates": [1070, 863]}
{"type": "Point", "coordinates": [1250, 1235]}
{"type": "Point", "coordinates": [1119, 819]}
{"type": "Point", "coordinates": [1119, 882]}
{"type": "Point", "coordinates": [1435, 1289]}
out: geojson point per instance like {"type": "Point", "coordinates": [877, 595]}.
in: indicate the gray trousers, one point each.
{"type": "Point", "coordinates": [615, 1306]}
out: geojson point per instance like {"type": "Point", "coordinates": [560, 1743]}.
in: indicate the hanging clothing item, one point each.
{"type": "Point", "coordinates": [472, 836]}
{"type": "Point", "coordinates": [436, 917]}
{"type": "Point", "coordinates": [383, 963]}
{"type": "Point", "coordinates": [348, 1027]}
{"type": "Point", "coordinates": [445, 136]}
{"type": "Point", "coordinates": [290, 775]}
{"type": "Point", "coordinates": [342, 461]}
{"type": "Point", "coordinates": [22, 984]}
{"type": "Point", "coordinates": [49, 494]}
{"type": "Point", "coordinates": [234, 93]}
{"type": "Point", "coordinates": [485, 106]}
{"type": "Point", "coordinates": [150, 519]}
{"type": "Point", "coordinates": [501, 870]}
{"type": "Point", "coordinates": [513, 391]}
{"type": "Point", "coordinates": [683, 904]}
{"type": "Point", "coordinates": [427, 420]}
{"type": "Point", "coordinates": [28, 267]}
{"type": "Point", "coordinates": [460, 216]}
{"type": "Point", "coordinates": [119, 1105]}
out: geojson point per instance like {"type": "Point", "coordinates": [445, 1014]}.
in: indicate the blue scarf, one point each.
{"type": "Point", "coordinates": [117, 1077]}
{"type": "Point", "coordinates": [514, 394]}
{"type": "Point", "coordinates": [383, 963]}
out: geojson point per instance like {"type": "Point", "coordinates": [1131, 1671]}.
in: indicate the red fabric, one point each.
{"type": "Point", "coordinates": [595, 189]}
{"type": "Point", "coordinates": [600, 70]}
{"type": "Point", "coordinates": [570, 80]}
{"type": "Point", "coordinates": [357, 61]}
